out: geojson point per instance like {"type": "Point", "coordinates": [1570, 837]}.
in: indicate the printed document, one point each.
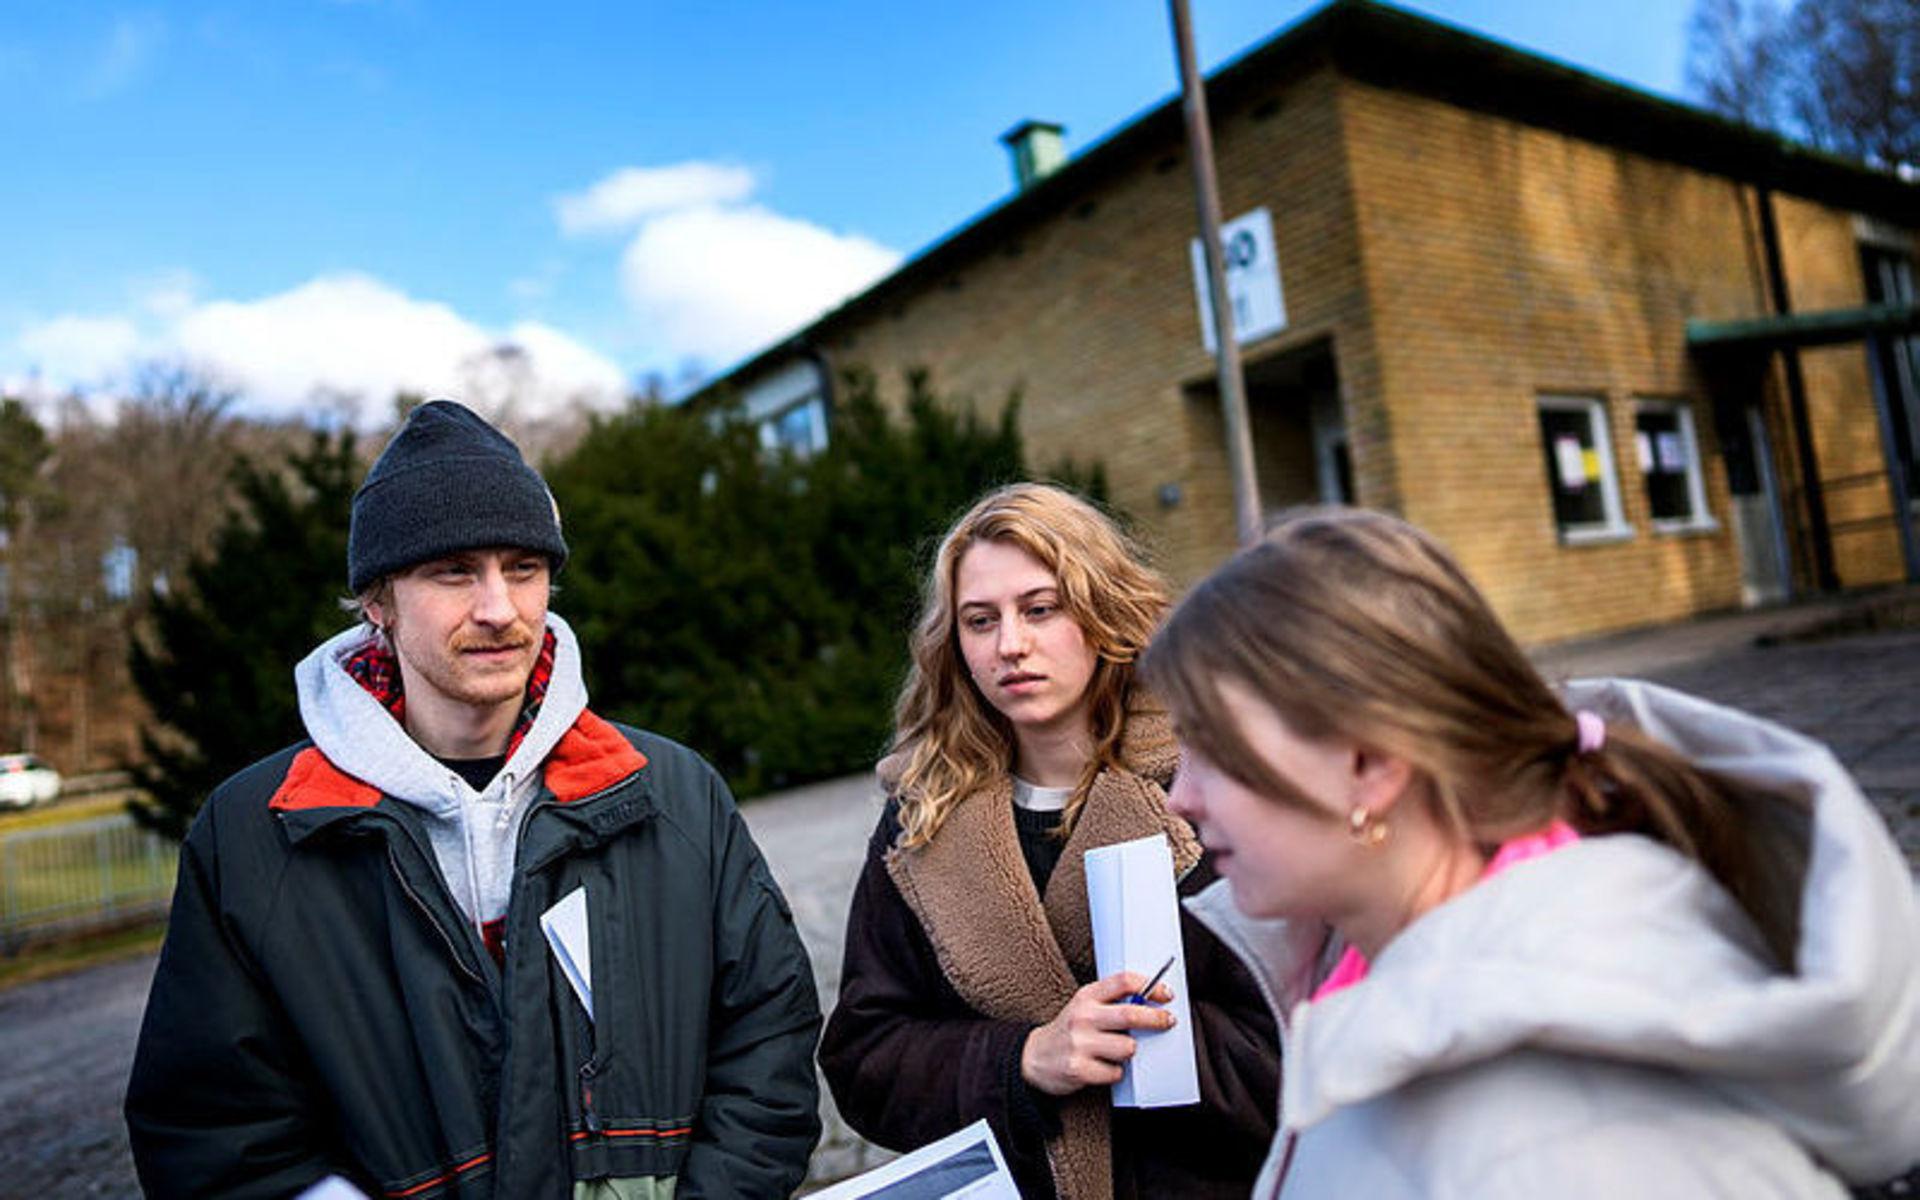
{"type": "Point", "coordinates": [565, 925]}
{"type": "Point", "coordinates": [1136, 927]}
{"type": "Point", "coordinates": [961, 1166]}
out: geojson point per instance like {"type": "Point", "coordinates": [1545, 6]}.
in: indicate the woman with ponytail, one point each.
{"type": "Point", "coordinates": [1612, 941]}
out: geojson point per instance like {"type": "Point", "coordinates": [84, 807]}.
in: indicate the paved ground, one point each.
{"type": "Point", "coordinates": [1860, 694]}
{"type": "Point", "coordinates": [67, 1043]}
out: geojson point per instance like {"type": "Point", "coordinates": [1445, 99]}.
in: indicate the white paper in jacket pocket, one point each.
{"type": "Point", "coordinates": [1136, 927]}
{"type": "Point", "coordinates": [565, 925]}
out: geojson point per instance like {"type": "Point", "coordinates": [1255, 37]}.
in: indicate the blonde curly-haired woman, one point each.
{"type": "Point", "coordinates": [1022, 741]}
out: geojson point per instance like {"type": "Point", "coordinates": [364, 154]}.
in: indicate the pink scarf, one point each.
{"type": "Point", "coordinates": [1352, 967]}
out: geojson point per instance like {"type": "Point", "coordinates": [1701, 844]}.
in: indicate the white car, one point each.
{"type": "Point", "coordinates": [26, 780]}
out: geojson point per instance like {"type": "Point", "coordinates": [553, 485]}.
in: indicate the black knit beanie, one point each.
{"type": "Point", "coordinates": [448, 481]}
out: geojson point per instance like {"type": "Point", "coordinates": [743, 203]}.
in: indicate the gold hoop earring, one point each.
{"type": "Point", "coordinates": [1365, 828]}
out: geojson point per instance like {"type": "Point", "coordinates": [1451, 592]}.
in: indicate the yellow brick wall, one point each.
{"type": "Point", "coordinates": [1460, 266]}
{"type": "Point", "coordinates": [1823, 272]}
{"type": "Point", "coordinates": [1091, 316]}
{"type": "Point", "coordinates": [1506, 262]}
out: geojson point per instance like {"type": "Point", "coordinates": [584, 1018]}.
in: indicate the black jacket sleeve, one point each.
{"type": "Point", "coordinates": [760, 1111]}
{"type": "Point", "coordinates": [219, 1103]}
{"type": "Point", "coordinates": [906, 1058]}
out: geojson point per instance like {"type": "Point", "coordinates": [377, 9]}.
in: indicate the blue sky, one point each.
{"type": "Point", "coordinates": [361, 194]}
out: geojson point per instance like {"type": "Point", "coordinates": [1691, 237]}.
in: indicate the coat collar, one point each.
{"type": "Point", "coordinates": [1016, 956]}
{"type": "Point", "coordinates": [589, 758]}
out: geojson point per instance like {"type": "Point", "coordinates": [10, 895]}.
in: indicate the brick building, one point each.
{"type": "Point", "coordinates": [1630, 361]}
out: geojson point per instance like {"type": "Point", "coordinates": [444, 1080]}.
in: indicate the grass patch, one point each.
{"type": "Point", "coordinates": [76, 880]}
{"type": "Point", "coordinates": [77, 867]}
{"type": "Point", "coordinates": [44, 962]}
{"type": "Point", "coordinates": [65, 812]}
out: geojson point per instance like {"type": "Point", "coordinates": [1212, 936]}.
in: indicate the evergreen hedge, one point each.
{"type": "Point", "coordinates": [216, 664]}
{"type": "Point", "coordinates": [757, 606]}
{"type": "Point", "coordinates": [753, 605]}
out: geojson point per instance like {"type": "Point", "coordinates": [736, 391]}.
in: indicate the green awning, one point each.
{"type": "Point", "coordinates": [1804, 329]}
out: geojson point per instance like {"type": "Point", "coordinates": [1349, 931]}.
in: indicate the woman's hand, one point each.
{"type": "Point", "coordinates": [1087, 1042]}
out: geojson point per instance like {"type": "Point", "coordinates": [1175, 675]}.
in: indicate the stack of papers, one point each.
{"type": "Point", "coordinates": [961, 1166]}
{"type": "Point", "coordinates": [1136, 927]}
{"type": "Point", "coordinates": [565, 925]}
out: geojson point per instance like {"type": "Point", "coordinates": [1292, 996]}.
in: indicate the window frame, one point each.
{"type": "Point", "coordinates": [1613, 527]}
{"type": "Point", "coordinates": [1701, 519]}
{"type": "Point", "coordinates": [815, 405]}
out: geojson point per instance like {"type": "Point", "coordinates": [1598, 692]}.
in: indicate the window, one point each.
{"type": "Point", "coordinates": [1890, 280]}
{"type": "Point", "coordinates": [801, 428]}
{"type": "Point", "coordinates": [1580, 474]}
{"type": "Point", "coordinates": [789, 406]}
{"type": "Point", "coordinates": [117, 567]}
{"type": "Point", "coordinates": [1669, 457]}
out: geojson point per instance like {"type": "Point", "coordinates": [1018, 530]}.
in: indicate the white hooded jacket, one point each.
{"type": "Point", "coordinates": [473, 833]}
{"type": "Point", "coordinates": [1601, 1021]}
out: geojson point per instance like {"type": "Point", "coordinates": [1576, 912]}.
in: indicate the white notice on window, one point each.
{"type": "Point", "coordinates": [1670, 450]}
{"type": "Point", "coordinates": [1570, 461]}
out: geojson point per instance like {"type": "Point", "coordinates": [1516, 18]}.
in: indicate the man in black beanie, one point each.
{"type": "Point", "coordinates": [470, 939]}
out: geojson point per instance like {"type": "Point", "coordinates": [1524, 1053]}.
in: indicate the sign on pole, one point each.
{"type": "Point", "coordinates": [1253, 279]}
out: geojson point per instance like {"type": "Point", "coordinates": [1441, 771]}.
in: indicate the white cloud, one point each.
{"type": "Point", "coordinates": [715, 283]}
{"type": "Point", "coordinates": [566, 362]}
{"type": "Point", "coordinates": [75, 347]}
{"type": "Point", "coordinates": [349, 333]}
{"type": "Point", "coordinates": [131, 44]}
{"type": "Point", "coordinates": [167, 295]}
{"type": "Point", "coordinates": [342, 333]}
{"type": "Point", "coordinates": [708, 275]}
{"type": "Point", "coordinates": [632, 194]}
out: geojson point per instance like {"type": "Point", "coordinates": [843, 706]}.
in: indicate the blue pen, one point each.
{"type": "Point", "coordinates": [1140, 997]}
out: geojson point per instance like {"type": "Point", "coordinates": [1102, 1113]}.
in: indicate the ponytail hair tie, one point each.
{"type": "Point", "coordinates": [1593, 730]}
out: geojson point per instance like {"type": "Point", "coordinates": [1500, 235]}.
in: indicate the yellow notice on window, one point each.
{"type": "Point", "coordinates": [1590, 463]}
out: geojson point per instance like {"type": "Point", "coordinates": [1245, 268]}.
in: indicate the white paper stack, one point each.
{"type": "Point", "coordinates": [966, 1165]}
{"type": "Point", "coordinates": [565, 925]}
{"type": "Point", "coordinates": [1136, 927]}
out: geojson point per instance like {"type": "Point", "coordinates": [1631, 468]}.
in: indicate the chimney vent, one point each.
{"type": "Point", "coordinates": [1037, 151]}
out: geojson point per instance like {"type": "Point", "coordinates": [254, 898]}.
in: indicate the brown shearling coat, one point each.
{"type": "Point", "coordinates": [952, 959]}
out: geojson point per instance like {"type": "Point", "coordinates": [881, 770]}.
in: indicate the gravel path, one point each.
{"type": "Point", "coordinates": [67, 1044]}
{"type": "Point", "coordinates": [1859, 695]}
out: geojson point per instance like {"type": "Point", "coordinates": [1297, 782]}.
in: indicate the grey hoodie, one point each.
{"type": "Point", "coordinates": [1600, 1021]}
{"type": "Point", "coordinates": [473, 832]}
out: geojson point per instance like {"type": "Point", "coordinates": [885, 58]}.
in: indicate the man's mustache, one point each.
{"type": "Point", "coordinates": [517, 638]}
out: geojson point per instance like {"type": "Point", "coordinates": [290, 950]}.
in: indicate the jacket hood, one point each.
{"type": "Point", "coordinates": [359, 737]}
{"type": "Point", "coordinates": [1621, 948]}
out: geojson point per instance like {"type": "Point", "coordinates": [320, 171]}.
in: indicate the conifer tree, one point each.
{"type": "Point", "coordinates": [757, 605]}
{"type": "Point", "coordinates": [216, 665]}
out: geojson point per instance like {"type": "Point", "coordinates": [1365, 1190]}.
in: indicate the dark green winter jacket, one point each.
{"type": "Point", "coordinates": [321, 1006]}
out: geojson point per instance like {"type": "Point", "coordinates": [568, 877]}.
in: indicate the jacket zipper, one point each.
{"type": "Point", "coordinates": [587, 1071]}
{"type": "Point", "coordinates": [589, 1068]}
{"type": "Point", "coordinates": [393, 860]}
